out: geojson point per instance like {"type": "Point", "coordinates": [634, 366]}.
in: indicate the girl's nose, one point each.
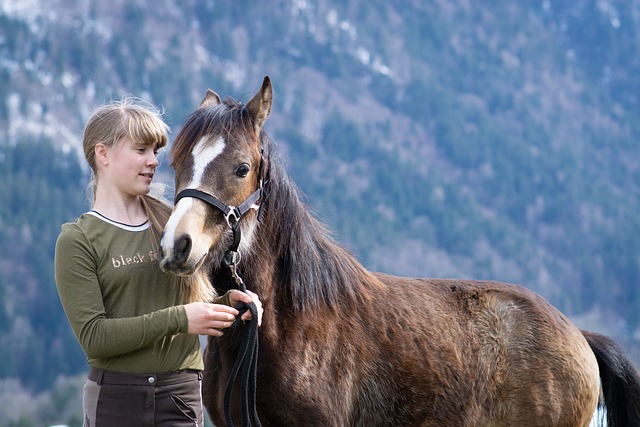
{"type": "Point", "coordinates": [152, 160]}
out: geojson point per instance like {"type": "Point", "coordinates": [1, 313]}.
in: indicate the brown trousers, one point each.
{"type": "Point", "coordinates": [139, 400]}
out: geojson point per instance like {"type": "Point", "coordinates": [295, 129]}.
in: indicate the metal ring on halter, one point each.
{"type": "Point", "coordinates": [232, 258]}
{"type": "Point", "coordinates": [231, 214]}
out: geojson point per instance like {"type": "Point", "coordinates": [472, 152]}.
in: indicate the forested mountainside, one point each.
{"type": "Point", "coordinates": [437, 138]}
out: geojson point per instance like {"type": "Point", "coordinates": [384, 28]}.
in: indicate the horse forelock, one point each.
{"type": "Point", "coordinates": [208, 122]}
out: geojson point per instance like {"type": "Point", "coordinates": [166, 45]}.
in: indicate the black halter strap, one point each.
{"type": "Point", "coordinates": [232, 214]}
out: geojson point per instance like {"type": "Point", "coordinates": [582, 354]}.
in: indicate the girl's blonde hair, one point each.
{"type": "Point", "coordinates": [142, 122]}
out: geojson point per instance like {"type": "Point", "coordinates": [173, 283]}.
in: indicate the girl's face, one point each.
{"type": "Point", "coordinates": [131, 166]}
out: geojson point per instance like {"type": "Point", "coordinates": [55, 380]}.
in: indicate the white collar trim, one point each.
{"type": "Point", "coordinates": [128, 227]}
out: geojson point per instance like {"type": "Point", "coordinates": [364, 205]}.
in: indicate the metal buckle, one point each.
{"type": "Point", "coordinates": [231, 214]}
{"type": "Point", "coordinates": [232, 258]}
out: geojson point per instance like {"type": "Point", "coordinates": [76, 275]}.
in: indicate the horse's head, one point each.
{"type": "Point", "coordinates": [217, 156]}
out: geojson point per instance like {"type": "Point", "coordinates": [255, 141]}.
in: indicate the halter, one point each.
{"type": "Point", "coordinates": [232, 214]}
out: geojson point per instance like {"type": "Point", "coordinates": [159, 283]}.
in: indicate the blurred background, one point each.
{"type": "Point", "coordinates": [457, 138]}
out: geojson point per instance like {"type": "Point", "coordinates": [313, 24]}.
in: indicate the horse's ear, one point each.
{"type": "Point", "coordinates": [210, 99]}
{"type": "Point", "coordinates": [259, 106]}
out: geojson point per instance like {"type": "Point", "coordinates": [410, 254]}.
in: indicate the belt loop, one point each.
{"type": "Point", "coordinates": [100, 376]}
{"type": "Point", "coordinates": [199, 375]}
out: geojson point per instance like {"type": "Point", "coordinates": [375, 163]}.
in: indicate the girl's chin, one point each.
{"type": "Point", "coordinates": [142, 190]}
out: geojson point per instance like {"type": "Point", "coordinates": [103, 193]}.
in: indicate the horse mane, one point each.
{"type": "Point", "coordinates": [315, 271]}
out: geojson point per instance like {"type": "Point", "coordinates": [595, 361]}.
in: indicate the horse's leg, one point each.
{"type": "Point", "coordinates": [620, 381]}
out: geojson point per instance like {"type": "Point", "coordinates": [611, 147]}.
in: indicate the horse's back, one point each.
{"type": "Point", "coordinates": [500, 352]}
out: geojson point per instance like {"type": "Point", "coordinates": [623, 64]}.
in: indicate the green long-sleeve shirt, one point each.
{"type": "Point", "coordinates": [126, 313]}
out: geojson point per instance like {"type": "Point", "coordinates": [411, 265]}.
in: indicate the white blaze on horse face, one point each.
{"type": "Point", "coordinates": [168, 238]}
{"type": "Point", "coordinates": [203, 154]}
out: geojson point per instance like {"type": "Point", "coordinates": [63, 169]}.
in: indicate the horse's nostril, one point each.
{"type": "Point", "coordinates": [182, 248]}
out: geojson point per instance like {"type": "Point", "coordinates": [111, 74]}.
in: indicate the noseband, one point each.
{"type": "Point", "coordinates": [232, 215]}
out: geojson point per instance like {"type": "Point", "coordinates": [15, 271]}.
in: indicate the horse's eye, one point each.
{"type": "Point", "coordinates": [243, 170]}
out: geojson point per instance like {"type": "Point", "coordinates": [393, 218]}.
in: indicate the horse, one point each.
{"type": "Point", "coordinates": [344, 346]}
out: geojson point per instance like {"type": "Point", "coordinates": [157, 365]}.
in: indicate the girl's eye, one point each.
{"type": "Point", "coordinates": [242, 170]}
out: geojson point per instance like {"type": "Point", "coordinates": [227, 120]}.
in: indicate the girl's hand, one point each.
{"type": "Point", "coordinates": [236, 296]}
{"type": "Point", "coordinates": [208, 319]}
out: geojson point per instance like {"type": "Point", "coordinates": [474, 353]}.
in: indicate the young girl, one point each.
{"type": "Point", "coordinates": [137, 325]}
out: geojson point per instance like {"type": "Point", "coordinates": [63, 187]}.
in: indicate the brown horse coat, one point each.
{"type": "Point", "coordinates": [341, 346]}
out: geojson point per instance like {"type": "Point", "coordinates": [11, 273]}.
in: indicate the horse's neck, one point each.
{"type": "Point", "coordinates": [252, 271]}
{"type": "Point", "coordinates": [293, 259]}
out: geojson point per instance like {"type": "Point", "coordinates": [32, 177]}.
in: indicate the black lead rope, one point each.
{"type": "Point", "coordinates": [247, 363]}
{"type": "Point", "coordinates": [246, 360]}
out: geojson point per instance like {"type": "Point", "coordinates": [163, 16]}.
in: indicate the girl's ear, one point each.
{"type": "Point", "coordinates": [102, 154]}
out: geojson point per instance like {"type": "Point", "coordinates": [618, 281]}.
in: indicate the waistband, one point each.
{"type": "Point", "coordinates": [102, 376]}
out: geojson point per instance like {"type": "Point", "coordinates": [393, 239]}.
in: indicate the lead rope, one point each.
{"type": "Point", "coordinates": [247, 358]}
